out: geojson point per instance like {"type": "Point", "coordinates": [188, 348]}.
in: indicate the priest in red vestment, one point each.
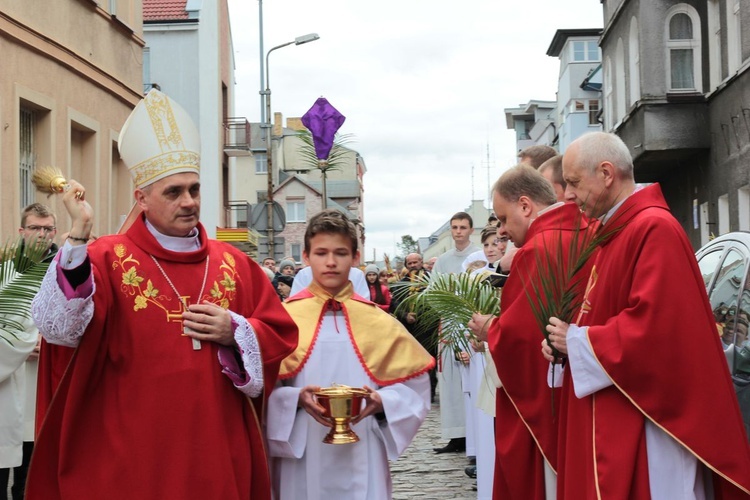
{"type": "Point", "coordinates": [648, 407]}
{"type": "Point", "coordinates": [178, 340]}
{"type": "Point", "coordinates": [525, 420]}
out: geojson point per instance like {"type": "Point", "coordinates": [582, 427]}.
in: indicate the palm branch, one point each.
{"type": "Point", "coordinates": [22, 268]}
{"type": "Point", "coordinates": [336, 158]}
{"type": "Point", "coordinates": [557, 290]}
{"type": "Point", "coordinates": [448, 300]}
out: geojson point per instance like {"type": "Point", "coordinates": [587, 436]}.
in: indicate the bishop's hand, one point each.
{"type": "Point", "coordinates": [81, 213]}
{"type": "Point", "coordinates": [209, 322]}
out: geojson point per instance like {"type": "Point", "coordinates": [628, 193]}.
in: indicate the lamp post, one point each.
{"type": "Point", "coordinates": [310, 37]}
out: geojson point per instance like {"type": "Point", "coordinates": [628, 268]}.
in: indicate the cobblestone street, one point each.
{"type": "Point", "coordinates": [423, 474]}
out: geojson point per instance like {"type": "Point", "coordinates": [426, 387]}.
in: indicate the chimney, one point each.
{"type": "Point", "coordinates": [277, 128]}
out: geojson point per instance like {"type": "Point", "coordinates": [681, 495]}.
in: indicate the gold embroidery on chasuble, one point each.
{"type": "Point", "coordinates": [135, 283]}
{"type": "Point", "coordinates": [586, 304]}
{"type": "Point", "coordinates": [224, 290]}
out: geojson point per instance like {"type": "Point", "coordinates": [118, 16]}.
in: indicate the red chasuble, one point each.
{"type": "Point", "coordinates": [139, 413]}
{"type": "Point", "coordinates": [53, 361]}
{"type": "Point", "coordinates": [653, 333]}
{"type": "Point", "coordinates": [525, 422]}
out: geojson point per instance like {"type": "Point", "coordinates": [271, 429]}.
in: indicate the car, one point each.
{"type": "Point", "coordinates": [724, 263]}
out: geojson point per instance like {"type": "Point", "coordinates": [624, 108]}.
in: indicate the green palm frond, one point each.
{"type": "Point", "coordinates": [448, 300]}
{"type": "Point", "coordinates": [22, 268]}
{"type": "Point", "coordinates": [336, 158]}
{"type": "Point", "coordinates": [557, 290]}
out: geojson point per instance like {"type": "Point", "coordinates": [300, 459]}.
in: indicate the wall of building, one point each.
{"type": "Point", "coordinates": [79, 71]}
{"type": "Point", "coordinates": [193, 63]}
{"type": "Point", "coordinates": [170, 46]}
{"type": "Point", "coordinates": [729, 118]}
{"type": "Point", "coordinates": [698, 151]}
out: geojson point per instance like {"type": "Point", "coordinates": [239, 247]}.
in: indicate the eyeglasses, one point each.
{"type": "Point", "coordinates": [45, 229]}
{"type": "Point", "coordinates": [504, 239]}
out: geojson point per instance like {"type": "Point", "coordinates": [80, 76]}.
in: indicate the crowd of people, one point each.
{"type": "Point", "coordinates": [171, 365]}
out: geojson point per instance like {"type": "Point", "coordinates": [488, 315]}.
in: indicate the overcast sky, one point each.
{"type": "Point", "coordinates": [423, 85]}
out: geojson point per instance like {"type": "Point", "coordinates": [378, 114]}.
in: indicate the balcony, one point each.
{"type": "Point", "coordinates": [237, 137]}
{"type": "Point", "coordinates": [663, 135]}
{"type": "Point", "coordinates": [237, 233]}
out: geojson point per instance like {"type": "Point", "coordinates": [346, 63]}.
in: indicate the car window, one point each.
{"type": "Point", "coordinates": [730, 301]}
{"type": "Point", "coordinates": [708, 263]}
{"type": "Point", "coordinates": [725, 294]}
{"type": "Point", "coordinates": [740, 362]}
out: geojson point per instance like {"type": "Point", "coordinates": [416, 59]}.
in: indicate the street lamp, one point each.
{"type": "Point", "coordinates": [310, 37]}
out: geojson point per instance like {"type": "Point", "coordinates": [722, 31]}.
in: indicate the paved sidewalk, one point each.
{"type": "Point", "coordinates": [422, 474]}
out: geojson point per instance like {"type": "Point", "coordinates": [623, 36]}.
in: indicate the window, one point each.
{"type": "Point", "coordinates": [707, 264]}
{"type": "Point", "coordinates": [123, 11]}
{"type": "Point", "coordinates": [297, 252]}
{"type": "Point", "coordinates": [593, 50]}
{"type": "Point", "coordinates": [147, 83]}
{"type": "Point", "coordinates": [608, 101]}
{"type": "Point", "coordinates": [620, 80]}
{"type": "Point", "coordinates": [585, 51]}
{"type": "Point", "coordinates": [683, 49]}
{"type": "Point", "coordinates": [577, 106]}
{"type": "Point", "coordinates": [714, 41]}
{"type": "Point", "coordinates": [634, 59]}
{"type": "Point", "coordinates": [295, 210]}
{"type": "Point", "coordinates": [734, 37]}
{"type": "Point", "coordinates": [579, 53]}
{"type": "Point", "coordinates": [590, 106]}
{"type": "Point", "coordinates": [593, 112]}
{"type": "Point", "coordinates": [682, 68]}
{"type": "Point", "coordinates": [27, 156]}
{"type": "Point", "coordinates": [728, 300]}
{"type": "Point", "coordinates": [261, 163]}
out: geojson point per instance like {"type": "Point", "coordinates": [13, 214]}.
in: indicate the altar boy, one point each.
{"type": "Point", "coordinates": [348, 340]}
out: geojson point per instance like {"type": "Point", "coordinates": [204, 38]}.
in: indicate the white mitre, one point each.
{"type": "Point", "coordinates": [159, 139]}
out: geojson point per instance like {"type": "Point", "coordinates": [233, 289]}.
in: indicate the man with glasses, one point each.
{"type": "Point", "coordinates": [18, 369]}
{"type": "Point", "coordinates": [38, 222]}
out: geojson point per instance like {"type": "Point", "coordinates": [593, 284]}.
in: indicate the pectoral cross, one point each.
{"type": "Point", "coordinates": [177, 316]}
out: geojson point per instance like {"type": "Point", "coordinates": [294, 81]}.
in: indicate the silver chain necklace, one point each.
{"type": "Point", "coordinates": [183, 300]}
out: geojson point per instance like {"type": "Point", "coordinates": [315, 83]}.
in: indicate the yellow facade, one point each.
{"type": "Point", "coordinates": [71, 74]}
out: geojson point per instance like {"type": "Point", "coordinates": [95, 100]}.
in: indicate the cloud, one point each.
{"type": "Point", "coordinates": [423, 85]}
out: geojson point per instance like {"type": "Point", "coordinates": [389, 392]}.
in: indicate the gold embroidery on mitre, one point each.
{"type": "Point", "coordinates": [166, 162]}
{"type": "Point", "coordinates": [165, 126]}
{"type": "Point", "coordinates": [174, 154]}
{"type": "Point", "coordinates": [586, 304]}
